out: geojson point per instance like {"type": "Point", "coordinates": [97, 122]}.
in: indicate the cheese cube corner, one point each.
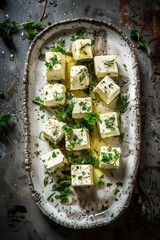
{"type": "Point", "coordinates": [79, 77]}
{"type": "Point", "coordinates": [53, 131]}
{"type": "Point", "coordinates": [108, 125]}
{"type": "Point", "coordinates": [82, 175]}
{"type": "Point", "coordinates": [82, 50]}
{"type": "Point", "coordinates": [54, 95]}
{"type": "Point", "coordinates": [109, 157]}
{"type": "Point", "coordinates": [107, 90]}
{"type": "Point", "coordinates": [55, 64]}
{"type": "Point", "coordinates": [81, 107]}
{"type": "Point", "coordinates": [54, 160]}
{"type": "Point", "coordinates": [106, 65]}
{"type": "Point", "coordinates": [77, 140]}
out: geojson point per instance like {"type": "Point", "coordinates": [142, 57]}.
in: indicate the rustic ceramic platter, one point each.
{"type": "Point", "coordinates": [79, 213]}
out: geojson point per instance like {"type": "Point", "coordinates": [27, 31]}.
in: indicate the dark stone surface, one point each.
{"type": "Point", "coordinates": [19, 216]}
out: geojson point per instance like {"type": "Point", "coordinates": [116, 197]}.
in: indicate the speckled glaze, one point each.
{"type": "Point", "coordinates": [78, 215]}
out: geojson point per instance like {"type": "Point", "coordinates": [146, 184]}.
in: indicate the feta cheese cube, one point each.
{"type": "Point", "coordinates": [82, 106]}
{"type": "Point", "coordinates": [82, 50]}
{"type": "Point", "coordinates": [77, 140]}
{"type": "Point", "coordinates": [107, 90]}
{"type": "Point", "coordinates": [82, 175]}
{"type": "Point", "coordinates": [54, 160]}
{"type": "Point", "coordinates": [79, 77]}
{"type": "Point", "coordinates": [108, 125]}
{"type": "Point", "coordinates": [109, 157]}
{"type": "Point", "coordinates": [106, 65]}
{"type": "Point", "coordinates": [53, 131]}
{"type": "Point", "coordinates": [55, 66]}
{"type": "Point", "coordinates": [54, 95]}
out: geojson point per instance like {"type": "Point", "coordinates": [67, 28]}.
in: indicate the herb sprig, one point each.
{"type": "Point", "coordinates": [122, 103]}
{"type": "Point", "coordinates": [39, 101]}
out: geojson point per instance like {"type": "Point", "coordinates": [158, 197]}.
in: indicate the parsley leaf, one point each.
{"type": "Point", "coordinates": [100, 182]}
{"type": "Point", "coordinates": [58, 96]}
{"type": "Point", "coordinates": [79, 35]}
{"type": "Point", "coordinates": [117, 190]}
{"type": "Point", "coordinates": [63, 187]}
{"type": "Point", "coordinates": [68, 129]}
{"type": "Point", "coordinates": [37, 100]}
{"type": "Point", "coordinates": [109, 125]}
{"type": "Point", "coordinates": [125, 67]}
{"type": "Point", "coordinates": [104, 207]}
{"type": "Point", "coordinates": [92, 117]}
{"type": "Point", "coordinates": [61, 42]}
{"type": "Point", "coordinates": [45, 181]}
{"type": "Point", "coordinates": [58, 48]}
{"type": "Point", "coordinates": [52, 62]}
{"type": "Point", "coordinates": [109, 63]}
{"type": "Point", "coordinates": [84, 158]}
{"type": "Point", "coordinates": [66, 113]}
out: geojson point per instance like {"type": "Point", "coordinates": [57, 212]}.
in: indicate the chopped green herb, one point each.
{"type": "Point", "coordinates": [56, 205]}
{"type": "Point", "coordinates": [81, 48]}
{"type": "Point", "coordinates": [1, 93]}
{"type": "Point", "coordinates": [61, 42]}
{"type": "Point", "coordinates": [45, 181]}
{"type": "Point", "coordinates": [153, 79]}
{"type": "Point", "coordinates": [73, 142]}
{"type": "Point", "coordinates": [134, 15]}
{"type": "Point", "coordinates": [117, 190]}
{"type": "Point", "coordinates": [79, 177]}
{"type": "Point", "coordinates": [154, 132]}
{"type": "Point", "coordinates": [63, 187]}
{"type": "Point", "coordinates": [37, 100]}
{"type": "Point", "coordinates": [124, 83]}
{"type": "Point", "coordinates": [54, 155]}
{"type": "Point", "coordinates": [125, 67]}
{"type": "Point", "coordinates": [36, 153]}
{"type": "Point", "coordinates": [92, 209]}
{"type": "Point", "coordinates": [52, 62]}
{"type": "Point", "coordinates": [104, 207]}
{"type": "Point", "coordinates": [4, 125]}
{"type": "Point", "coordinates": [73, 175]}
{"type": "Point", "coordinates": [58, 96]}
{"type": "Point", "coordinates": [42, 117]}
{"type": "Point", "coordinates": [66, 113]}
{"type": "Point", "coordinates": [92, 117]}
{"type": "Point", "coordinates": [36, 144]}
{"type": "Point", "coordinates": [122, 103]}
{"type": "Point", "coordinates": [109, 63]}
{"type": "Point", "coordinates": [50, 195]}
{"type": "Point", "coordinates": [58, 48]}
{"type": "Point", "coordinates": [79, 35]}
{"type": "Point", "coordinates": [116, 199]}
{"type": "Point", "coordinates": [84, 158]}
{"type": "Point", "coordinates": [132, 6]}
{"type": "Point", "coordinates": [55, 132]}
{"type": "Point", "coordinates": [109, 125]}
{"type": "Point", "coordinates": [100, 182]}
{"type": "Point", "coordinates": [68, 129]}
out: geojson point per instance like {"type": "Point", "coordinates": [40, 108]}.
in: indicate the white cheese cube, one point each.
{"type": "Point", "coordinates": [108, 125]}
{"type": "Point", "coordinates": [107, 90]}
{"type": "Point", "coordinates": [82, 50]}
{"type": "Point", "coordinates": [109, 157]}
{"type": "Point", "coordinates": [82, 175]}
{"type": "Point", "coordinates": [54, 95]}
{"type": "Point", "coordinates": [106, 65]}
{"type": "Point", "coordinates": [79, 77]}
{"type": "Point", "coordinates": [55, 66]}
{"type": "Point", "coordinates": [53, 131]}
{"type": "Point", "coordinates": [77, 140]}
{"type": "Point", "coordinates": [54, 160]}
{"type": "Point", "coordinates": [82, 106]}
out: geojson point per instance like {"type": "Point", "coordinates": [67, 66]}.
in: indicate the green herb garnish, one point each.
{"type": "Point", "coordinates": [37, 100]}
{"type": "Point", "coordinates": [68, 129]}
{"type": "Point", "coordinates": [79, 35]}
{"type": "Point", "coordinates": [104, 207]}
{"type": "Point", "coordinates": [58, 48]}
{"type": "Point", "coordinates": [109, 63]}
{"type": "Point", "coordinates": [36, 153]}
{"type": "Point", "coordinates": [100, 182]}
{"type": "Point", "coordinates": [142, 204]}
{"type": "Point", "coordinates": [55, 132]}
{"type": "Point", "coordinates": [4, 125]}
{"type": "Point", "coordinates": [134, 15]}
{"type": "Point", "coordinates": [58, 96]}
{"type": "Point", "coordinates": [66, 113]}
{"type": "Point", "coordinates": [125, 67]}
{"type": "Point", "coordinates": [121, 136]}
{"type": "Point", "coordinates": [52, 62]}
{"type": "Point", "coordinates": [154, 132]}
{"type": "Point", "coordinates": [63, 187]}
{"type": "Point", "coordinates": [109, 125]}
{"type": "Point", "coordinates": [42, 117]}
{"type": "Point", "coordinates": [92, 118]}
{"type": "Point", "coordinates": [84, 158]}
{"type": "Point", "coordinates": [122, 103]}
{"type": "Point", "coordinates": [61, 42]}
{"type": "Point", "coordinates": [54, 155]}
{"type": "Point", "coordinates": [117, 190]}
{"type": "Point", "coordinates": [45, 181]}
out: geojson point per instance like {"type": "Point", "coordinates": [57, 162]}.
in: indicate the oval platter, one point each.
{"type": "Point", "coordinates": [86, 208]}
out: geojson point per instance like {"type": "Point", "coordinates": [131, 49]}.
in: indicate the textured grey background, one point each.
{"type": "Point", "coordinates": [19, 216]}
